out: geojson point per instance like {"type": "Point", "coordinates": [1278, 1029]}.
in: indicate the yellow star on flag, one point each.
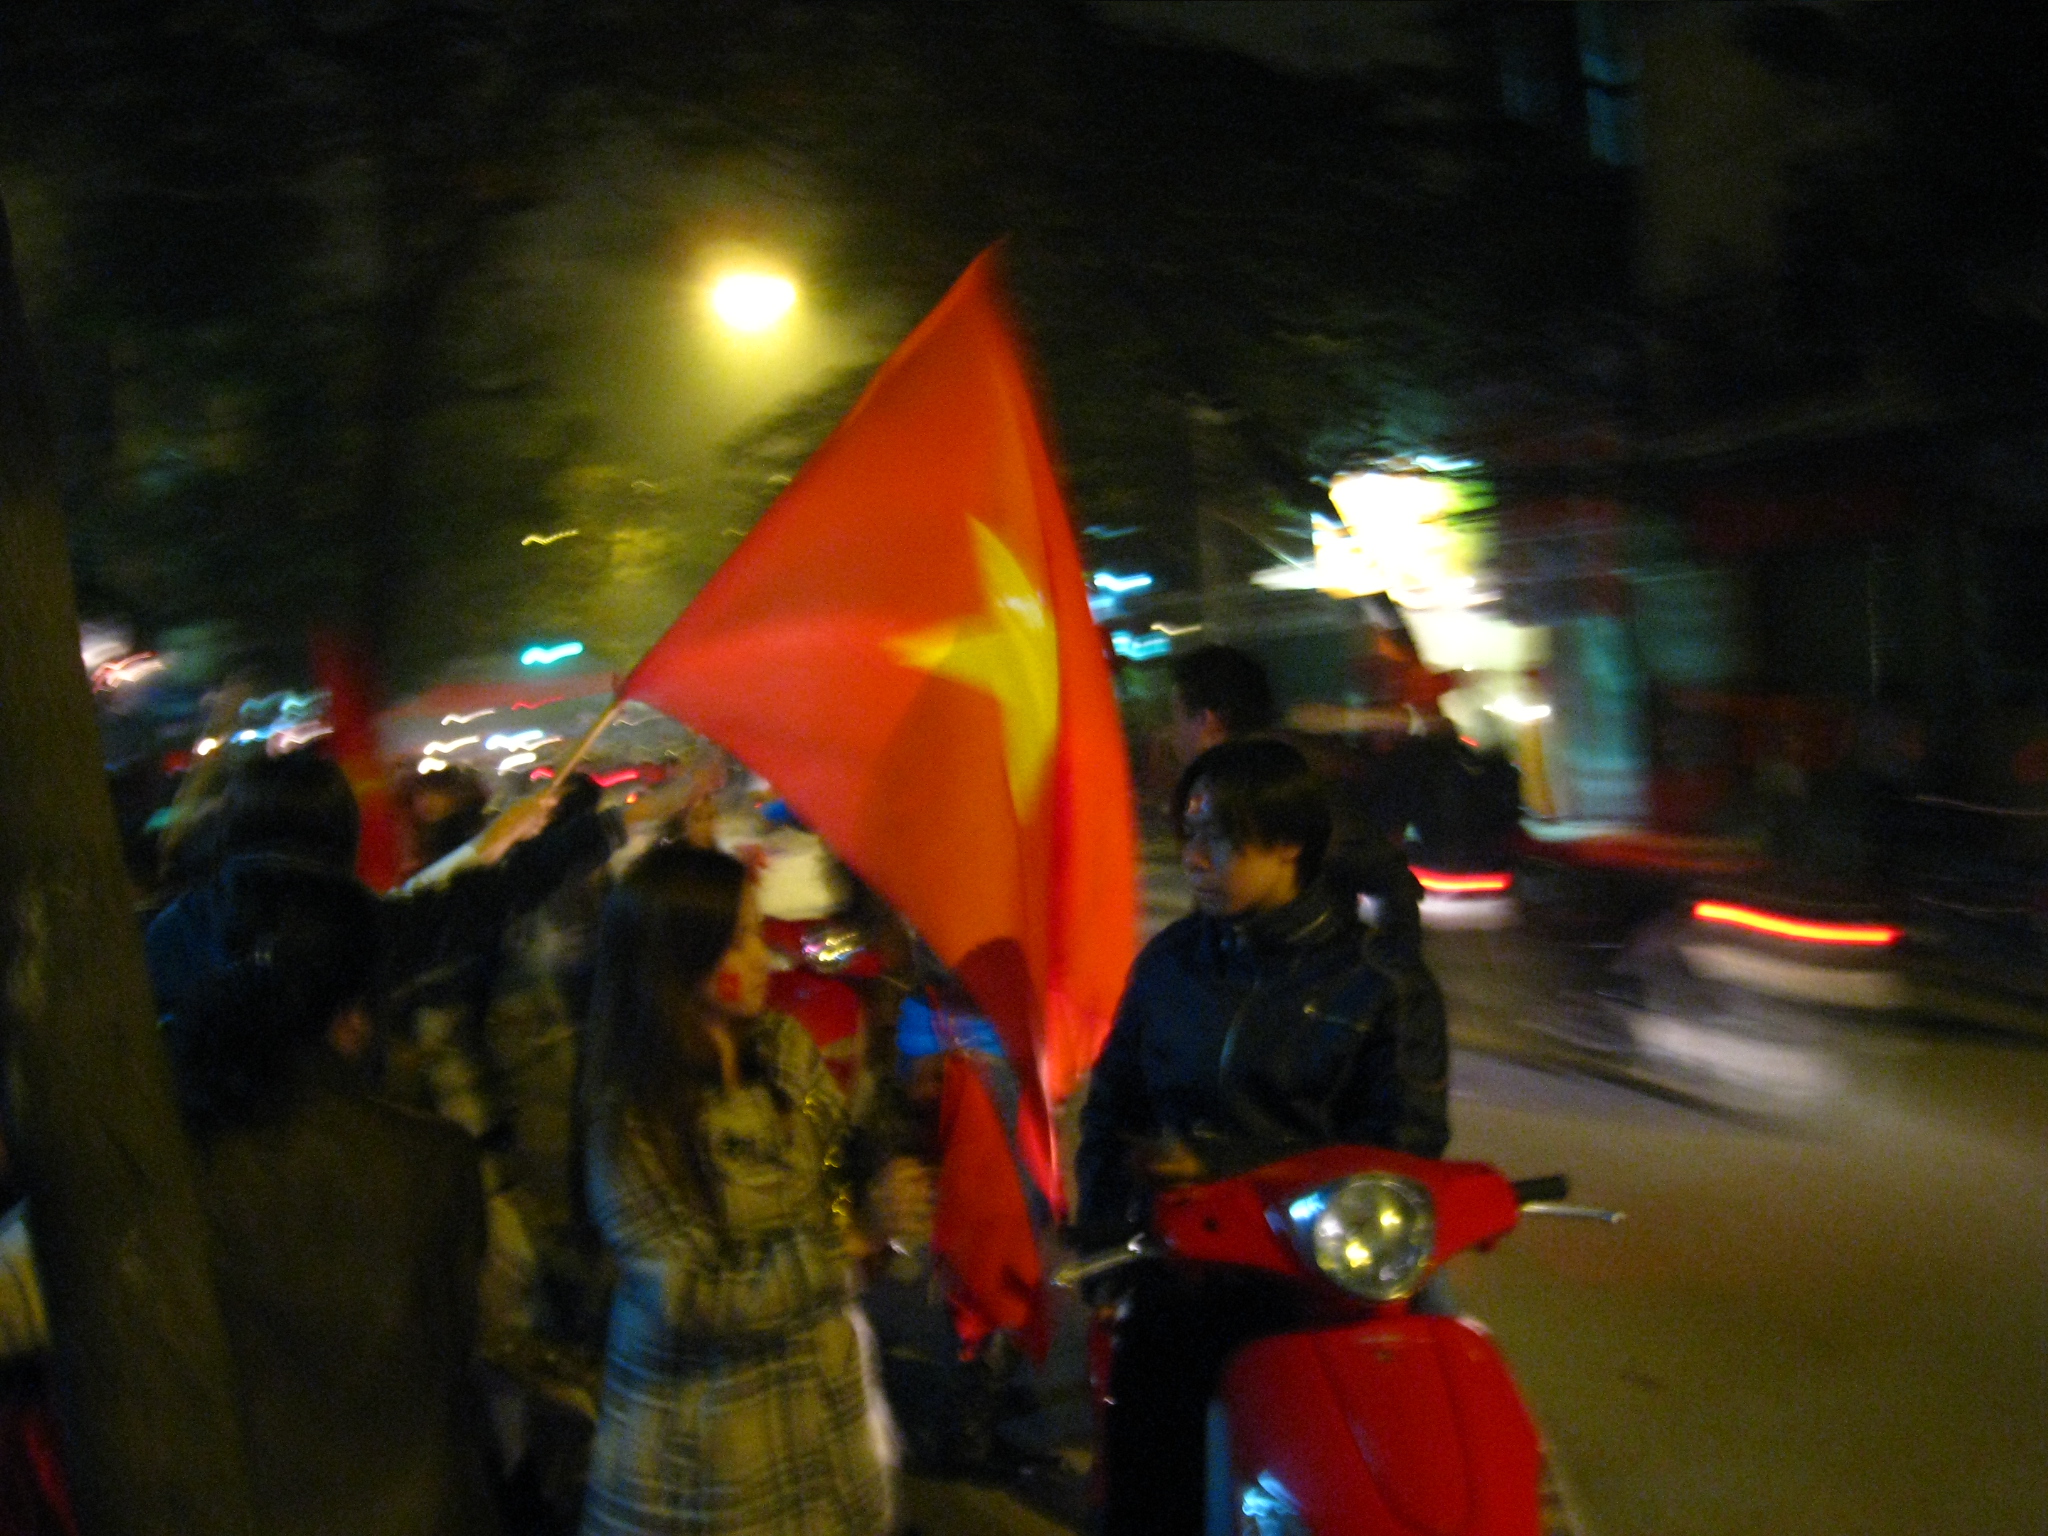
{"type": "Point", "coordinates": [1010, 651]}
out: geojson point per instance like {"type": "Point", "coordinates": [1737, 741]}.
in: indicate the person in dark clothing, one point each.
{"type": "Point", "coordinates": [1265, 1023]}
{"type": "Point", "coordinates": [346, 1235]}
{"type": "Point", "coordinates": [298, 802]}
{"type": "Point", "coordinates": [445, 809]}
{"type": "Point", "coordinates": [439, 943]}
{"type": "Point", "coordinates": [1221, 694]}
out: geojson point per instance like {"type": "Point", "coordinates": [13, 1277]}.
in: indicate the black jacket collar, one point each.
{"type": "Point", "coordinates": [1311, 920]}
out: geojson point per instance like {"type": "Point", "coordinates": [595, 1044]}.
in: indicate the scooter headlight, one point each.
{"type": "Point", "coordinates": [1371, 1234]}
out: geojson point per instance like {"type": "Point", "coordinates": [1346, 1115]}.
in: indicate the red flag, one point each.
{"type": "Point", "coordinates": [340, 668]}
{"type": "Point", "coordinates": [903, 646]}
{"type": "Point", "coordinates": [982, 1227]}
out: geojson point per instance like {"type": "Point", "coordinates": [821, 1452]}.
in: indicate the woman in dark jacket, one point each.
{"type": "Point", "coordinates": [346, 1234]}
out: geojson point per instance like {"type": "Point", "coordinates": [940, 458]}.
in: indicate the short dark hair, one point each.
{"type": "Point", "coordinates": [1229, 681]}
{"type": "Point", "coordinates": [299, 803]}
{"type": "Point", "coordinates": [1265, 795]}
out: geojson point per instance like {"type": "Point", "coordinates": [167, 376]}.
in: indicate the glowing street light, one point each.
{"type": "Point", "coordinates": [751, 302]}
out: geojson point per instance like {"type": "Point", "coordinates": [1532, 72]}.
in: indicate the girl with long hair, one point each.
{"type": "Point", "coordinates": [733, 1395]}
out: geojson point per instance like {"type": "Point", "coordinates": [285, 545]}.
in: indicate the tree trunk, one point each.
{"type": "Point", "coordinates": [145, 1382]}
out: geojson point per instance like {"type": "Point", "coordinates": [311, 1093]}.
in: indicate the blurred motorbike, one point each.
{"type": "Point", "coordinates": [1466, 837]}
{"type": "Point", "coordinates": [1352, 1412]}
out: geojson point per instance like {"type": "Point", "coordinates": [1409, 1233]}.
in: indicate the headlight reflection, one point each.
{"type": "Point", "coordinates": [1371, 1234]}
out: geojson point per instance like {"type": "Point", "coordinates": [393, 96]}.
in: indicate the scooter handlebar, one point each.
{"type": "Point", "coordinates": [1080, 1271]}
{"type": "Point", "coordinates": [1547, 1188]}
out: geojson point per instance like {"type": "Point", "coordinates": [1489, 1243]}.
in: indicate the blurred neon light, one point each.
{"type": "Point", "coordinates": [204, 745]}
{"type": "Point", "coordinates": [607, 780]}
{"type": "Point", "coordinates": [1872, 935]}
{"type": "Point", "coordinates": [540, 703]}
{"type": "Point", "coordinates": [1139, 647]}
{"type": "Point", "coordinates": [438, 748]}
{"type": "Point", "coordinates": [545, 539]}
{"type": "Point", "coordinates": [516, 760]}
{"type": "Point", "coordinates": [284, 738]}
{"type": "Point", "coordinates": [99, 644]}
{"type": "Point", "coordinates": [548, 655]}
{"type": "Point", "coordinates": [1109, 581]}
{"type": "Point", "coordinates": [1512, 708]}
{"type": "Point", "coordinates": [513, 741]}
{"type": "Point", "coordinates": [1445, 884]}
{"type": "Point", "coordinates": [127, 669]}
{"type": "Point", "coordinates": [475, 714]}
{"type": "Point", "coordinates": [539, 774]}
{"type": "Point", "coordinates": [431, 765]}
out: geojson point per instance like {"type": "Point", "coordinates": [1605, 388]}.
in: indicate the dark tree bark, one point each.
{"type": "Point", "coordinates": [144, 1377]}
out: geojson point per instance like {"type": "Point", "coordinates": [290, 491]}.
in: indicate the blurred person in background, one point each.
{"type": "Point", "coordinates": [441, 946]}
{"type": "Point", "coordinates": [441, 940]}
{"type": "Point", "coordinates": [442, 811]}
{"type": "Point", "coordinates": [1219, 692]}
{"type": "Point", "coordinates": [347, 1235]}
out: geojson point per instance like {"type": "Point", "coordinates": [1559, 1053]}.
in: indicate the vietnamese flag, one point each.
{"type": "Point", "coordinates": [903, 647]}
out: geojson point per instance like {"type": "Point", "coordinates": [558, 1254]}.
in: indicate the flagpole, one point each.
{"type": "Point", "coordinates": [582, 749]}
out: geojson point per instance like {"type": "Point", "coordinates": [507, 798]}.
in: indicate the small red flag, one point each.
{"type": "Point", "coordinates": [903, 647]}
{"type": "Point", "coordinates": [342, 670]}
{"type": "Point", "coordinates": [982, 1228]}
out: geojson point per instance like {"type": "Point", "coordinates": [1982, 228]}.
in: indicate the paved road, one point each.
{"type": "Point", "coordinates": [1827, 1315]}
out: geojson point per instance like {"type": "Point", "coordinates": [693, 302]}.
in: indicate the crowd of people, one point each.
{"type": "Point", "coordinates": [526, 1211]}
{"type": "Point", "coordinates": [512, 1148]}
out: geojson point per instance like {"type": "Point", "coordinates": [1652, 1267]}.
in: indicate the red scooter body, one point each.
{"type": "Point", "coordinates": [1374, 1420]}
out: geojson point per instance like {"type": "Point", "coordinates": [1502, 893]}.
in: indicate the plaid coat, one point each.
{"type": "Point", "coordinates": [733, 1400]}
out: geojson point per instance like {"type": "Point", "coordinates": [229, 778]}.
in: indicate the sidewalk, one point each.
{"type": "Point", "coordinates": [937, 1507]}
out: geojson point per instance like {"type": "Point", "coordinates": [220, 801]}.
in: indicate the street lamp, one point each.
{"type": "Point", "coordinates": [751, 302]}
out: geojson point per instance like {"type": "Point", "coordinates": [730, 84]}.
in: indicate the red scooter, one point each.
{"type": "Point", "coordinates": [1371, 1418]}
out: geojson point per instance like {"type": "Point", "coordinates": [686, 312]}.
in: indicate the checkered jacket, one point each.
{"type": "Point", "coordinates": [733, 1399]}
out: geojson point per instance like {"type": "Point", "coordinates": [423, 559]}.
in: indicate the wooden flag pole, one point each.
{"type": "Point", "coordinates": [582, 750]}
